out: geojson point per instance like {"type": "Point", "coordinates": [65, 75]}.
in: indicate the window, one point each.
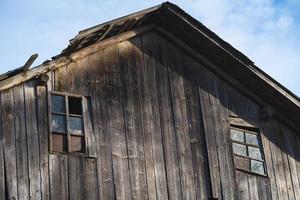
{"type": "Point", "coordinates": [246, 145]}
{"type": "Point", "coordinates": [67, 124]}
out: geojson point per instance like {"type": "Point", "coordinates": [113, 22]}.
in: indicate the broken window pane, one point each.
{"type": "Point", "coordinates": [59, 123]}
{"type": "Point", "coordinates": [58, 104]}
{"type": "Point", "coordinates": [242, 163]}
{"type": "Point", "coordinates": [237, 135]}
{"type": "Point", "coordinates": [239, 149]}
{"type": "Point", "coordinates": [251, 139]}
{"type": "Point", "coordinates": [75, 106]}
{"type": "Point", "coordinates": [257, 167]}
{"type": "Point", "coordinates": [77, 144]}
{"type": "Point", "coordinates": [76, 125]}
{"type": "Point", "coordinates": [59, 143]}
{"type": "Point", "coordinates": [254, 153]}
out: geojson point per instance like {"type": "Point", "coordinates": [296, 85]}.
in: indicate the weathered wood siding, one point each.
{"type": "Point", "coordinates": [160, 130]}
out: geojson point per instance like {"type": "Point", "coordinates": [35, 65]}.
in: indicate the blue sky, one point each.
{"type": "Point", "coordinates": [267, 31]}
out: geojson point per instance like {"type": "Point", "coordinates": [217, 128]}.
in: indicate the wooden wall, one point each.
{"type": "Point", "coordinates": [161, 131]}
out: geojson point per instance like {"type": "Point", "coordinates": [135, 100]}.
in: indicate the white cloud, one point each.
{"type": "Point", "coordinates": [266, 32]}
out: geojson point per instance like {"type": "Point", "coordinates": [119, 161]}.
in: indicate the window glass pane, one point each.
{"type": "Point", "coordinates": [75, 106]}
{"type": "Point", "coordinates": [59, 143]}
{"type": "Point", "coordinates": [239, 149]}
{"type": "Point", "coordinates": [251, 139]}
{"type": "Point", "coordinates": [58, 104]}
{"type": "Point", "coordinates": [237, 135]}
{"type": "Point", "coordinates": [257, 167]}
{"type": "Point", "coordinates": [76, 125]}
{"type": "Point", "coordinates": [242, 163]}
{"type": "Point", "coordinates": [77, 144]}
{"type": "Point", "coordinates": [59, 123]}
{"type": "Point", "coordinates": [254, 153]}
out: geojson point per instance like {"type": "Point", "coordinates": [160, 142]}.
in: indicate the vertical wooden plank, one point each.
{"type": "Point", "coordinates": [242, 186]}
{"type": "Point", "coordinates": [151, 122]}
{"type": "Point", "coordinates": [292, 147]}
{"type": "Point", "coordinates": [297, 155]}
{"type": "Point", "coordinates": [21, 145]}
{"type": "Point", "coordinates": [181, 125]}
{"type": "Point", "coordinates": [9, 142]}
{"type": "Point", "coordinates": [58, 167]}
{"type": "Point", "coordinates": [130, 59]}
{"type": "Point", "coordinates": [264, 189]}
{"type": "Point", "coordinates": [265, 132]}
{"type": "Point", "coordinates": [167, 122]}
{"type": "Point", "coordinates": [43, 130]}
{"type": "Point", "coordinates": [101, 126]}
{"type": "Point", "coordinates": [222, 131]}
{"type": "Point", "coordinates": [286, 162]}
{"type": "Point", "coordinates": [117, 131]}
{"type": "Point", "coordinates": [213, 156]}
{"type": "Point", "coordinates": [88, 128]}
{"type": "Point", "coordinates": [60, 79]}
{"type": "Point", "coordinates": [253, 187]}
{"type": "Point", "coordinates": [82, 178]}
{"type": "Point", "coordinates": [2, 166]}
{"type": "Point", "coordinates": [32, 140]}
{"type": "Point", "coordinates": [75, 178]}
{"type": "Point", "coordinates": [277, 161]}
{"type": "Point", "coordinates": [196, 129]}
{"type": "Point", "coordinates": [89, 179]}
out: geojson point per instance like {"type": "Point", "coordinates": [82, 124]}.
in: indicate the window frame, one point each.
{"type": "Point", "coordinates": [67, 114]}
{"type": "Point", "coordinates": [251, 130]}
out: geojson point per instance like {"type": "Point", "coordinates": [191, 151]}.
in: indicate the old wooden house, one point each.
{"type": "Point", "coordinates": [152, 105]}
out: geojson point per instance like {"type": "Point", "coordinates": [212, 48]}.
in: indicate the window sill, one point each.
{"type": "Point", "coordinates": [252, 173]}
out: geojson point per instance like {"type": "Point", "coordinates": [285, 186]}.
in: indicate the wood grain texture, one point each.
{"type": "Point", "coordinates": [32, 140]}
{"type": "Point", "coordinates": [21, 146]}
{"type": "Point", "coordinates": [167, 120]}
{"type": "Point", "coordinates": [2, 159]}
{"type": "Point", "coordinates": [9, 144]}
{"type": "Point", "coordinates": [43, 131]}
{"type": "Point", "coordinates": [117, 131]}
{"type": "Point", "coordinates": [130, 59]}
{"type": "Point", "coordinates": [58, 172]}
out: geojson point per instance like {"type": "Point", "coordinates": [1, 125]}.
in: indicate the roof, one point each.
{"type": "Point", "coordinates": [197, 37]}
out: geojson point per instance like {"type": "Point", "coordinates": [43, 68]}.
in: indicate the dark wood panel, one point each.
{"type": "Point", "coordinates": [130, 60]}
{"type": "Point", "coordinates": [89, 131]}
{"type": "Point", "coordinates": [32, 140]}
{"type": "Point", "coordinates": [2, 166]}
{"type": "Point", "coordinates": [154, 152]}
{"type": "Point", "coordinates": [242, 186]}
{"type": "Point", "coordinates": [196, 129]}
{"type": "Point", "coordinates": [82, 178]}
{"type": "Point", "coordinates": [266, 131]}
{"type": "Point", "coordinates": [101, 125]}
{"type": "Point", "coordinates": [167, 122]}
{"type": "Point", "coordinates": [43, 130]}
{"type": "Point", "coordinates": [117, 131]}
{"type": "Point", "coordinates": [9, 141]}
{"type": "Point", "coordinates": [181, 125]}
{"type": "Point", "coordinates": [90, 179]}
{"type": "Point", "coordinates": [208, 123]}
{"type": "Point", "coordinates": [58, 172]}
{"type": "Point", "coordinates": [21, 145]}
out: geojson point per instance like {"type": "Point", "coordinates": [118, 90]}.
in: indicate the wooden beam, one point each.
{"type": "Point", "coordinates": [30, 61]}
